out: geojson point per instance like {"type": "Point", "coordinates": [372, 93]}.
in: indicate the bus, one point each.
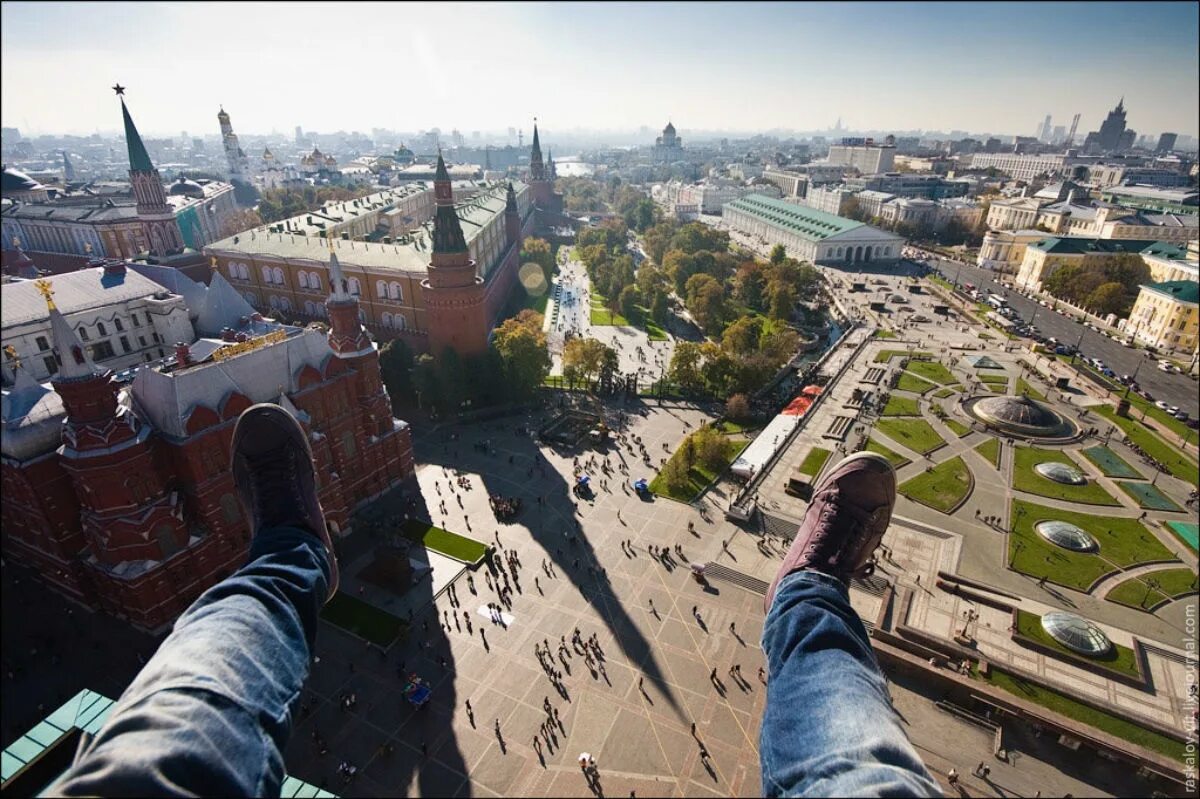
{"type": "Point", "coordinates": [996, 301]}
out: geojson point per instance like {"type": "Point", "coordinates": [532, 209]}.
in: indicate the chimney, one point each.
{"type": "Point", "coordinates": [183, 353]}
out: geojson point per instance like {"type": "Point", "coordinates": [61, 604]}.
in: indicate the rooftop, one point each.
{"type": "Point", "coordinates": [22, 303]}
{"type": "Point", "coordinates": [1188, 196]}
{"type": "Point", "coordinates": [1179, 290]}
{"type": "Point", "coordinates": [1072, 245]}
{"type": "Point", "coordinates": [808, 223]}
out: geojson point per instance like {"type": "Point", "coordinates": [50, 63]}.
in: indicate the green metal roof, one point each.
{"type": "Point", "coordinates": [1179, 290]}
{"type": "Point", "coordinates": [139, 159]}
{"type": "Point", "coordinates": [88, 711]}
{"type": "Point", "coordinates": [1077, 245]}
{"type": "Point", "coordinates": [808, 223]}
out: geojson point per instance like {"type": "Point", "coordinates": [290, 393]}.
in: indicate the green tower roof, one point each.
{"type": "Point", "coordinates": [139, 159]}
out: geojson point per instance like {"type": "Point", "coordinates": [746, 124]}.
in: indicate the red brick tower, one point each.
{"type": "Point", "coordinates": [350, 342]}
{"type": "Point", "coordinates": [128, 513]}
{"type": "Point", "coordinates": [453, 292]}
{"type": "Point", "coordinates": [512, 219]}
{"type": "Point", "coordinates": [155, 214]}
{"type": "Point", "coordinates": [541, 187]}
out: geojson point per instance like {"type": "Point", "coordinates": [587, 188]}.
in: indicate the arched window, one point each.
{"type": "Point", "coordinates": [381, 289]}
{"type": "Point", "coordinates": [245, 271]}
{"type": "Point", "coordinates": [302, 279]}
{"type": "Point", "coordinates": [266, 273]}
{"type": "Point", "coordinates": [277, 273]}
{"type": "Point", "coordinates": [314, 281]}
{"type": "Point", "coordinates": [83, 334]}
{"type": "Point", "coordinates": [385, 319]}
{"type": "Point", "coordinates": [285, 304]}
{"type": "Point", "coordinates": [101, 329]}
{"type": "Point", "coordinates": [354, 286]}
{"type": "Point", "coordinates": [399, 322]}
{"type": "Point", "coordinates": [396, 293]}
{"type": "Point", "coordinates": [274, 302]}
{"type": "Point", "coordinates": [250, 298]}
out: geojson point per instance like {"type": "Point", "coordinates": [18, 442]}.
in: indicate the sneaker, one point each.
{"type": "Point", "coordinates": [275, 477]}
{"type": "Point", "coordinates": [845, 521]}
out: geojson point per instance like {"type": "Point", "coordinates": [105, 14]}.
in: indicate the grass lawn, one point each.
{"type": "Point", "coordinates": [814, 461]}
{"type": "Point", "coordinates": [883, 356]}
{"type": "Point", "coordinates": [942, 393]}
{"type": "Point", "coordinates": [990, 449]}
{"type": "Point", "coordinates": [1148, 496]}
{"type": "Point", "coordinates": [537, 302]}
{"type": "Point", "coordinates": [958, 427]}
{"type": "Point", "coordinates": [986, 336]}
{"type": "Point", "coordinates": [1119, 658]}
{"type": "Point", "coordinates": [729, 426]}
{"type": "Point", "coordinates": [880, 333]}
{"type": "Point", "coordinates": [1123, 542]}
{"type": "Point", "coordinates": [1027, 480]}
{"type": "Point", "coordinates": [699, 475]}
{"type": "Point", "coordinates": [1136, 593]}
{"type": "Point", "coordinates": [901, 406]}
{"type": "Point", "coordinates": [916, 434]}
{"type": "Point", "coordinates": [1086, 714]}
{"type": "Point", "coordinates": [601, 316]}
{"type": "Point", "coordinates": [988, 378]}
{"type": "Point", "coordinates": [942, 488]}
{"type": "Point", "coordinates": [913, 383]}
{"type": "Point", "coordinates": [1158, 414]}
{"type": "Point", "coordinates": [1110, 463]}
{"type": "Point", "coordinates": [452, 545]}
{"type": "Point", "coordinates": [1023, 388]}
{"type": "Point", "coordinates": [1182, 466]}
{"type": "Point", "coordinates": [896, 459]}
{"type": "Point", "coordinates": [366, 621]}
{"type": "Point", "coordinates": [931, 370]}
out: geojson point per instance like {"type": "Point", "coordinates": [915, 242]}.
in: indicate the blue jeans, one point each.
{"type": "Point", "coordinates": [211, 712]}
{"type": "Point", "coordinates": [829, 728]}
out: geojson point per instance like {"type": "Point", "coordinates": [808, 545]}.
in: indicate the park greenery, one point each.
{"type": "Point", "coordinates": [1120, 658]}
{"type": "Point", "coordinates": [698, 461]}
{"type": "Point", "coordinates": [1027, 480]}
{"type": "Point", "coordinates": [1106, 287]}
{"type": "Point", "coordinates": [587, 359]}
{"type": "Point", "coordinates": [276, 204]}
{"type": "Point", "coordinates": [814, 461]}
{"type": "Point", "coordinates": [366, 621]}
{"type": "Point", "coordinates": [896, 459]}
{"type": "Point", "coordinates": [1123, 542]}
{"type": "Point", "coordinates": [916, 434]}
{"type": "Point", "coordinates": [990, 450]}
{"type": "Point", "coordinates": [510, 370]}
{"type": "Point", "coordinates": [538, 251]}
{"type": "Point", "coordinates": [1150, 590]}
{"type": "Point", "coordinates": [942, 487]}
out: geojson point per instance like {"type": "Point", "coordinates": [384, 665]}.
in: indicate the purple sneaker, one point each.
{"type": "Point", "coordinates": [845, 521]}
{"type": "Point", "coordinates": [275, 476]}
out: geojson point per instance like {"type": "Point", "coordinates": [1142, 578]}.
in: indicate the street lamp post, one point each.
{"type": "Point", "coordinates": [1078, 344]}
{"type": "Point", "coordinates": [1133, 377]}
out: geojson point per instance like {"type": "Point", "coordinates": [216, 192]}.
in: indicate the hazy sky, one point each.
{"type": "Point", "coordinates": [738, 67]}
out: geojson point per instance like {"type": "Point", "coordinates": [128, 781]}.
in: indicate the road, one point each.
{"type": "Point", "coordinates": [1175, 389]}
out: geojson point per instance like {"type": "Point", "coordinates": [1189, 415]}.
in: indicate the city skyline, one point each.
{"type": "Point", "coordinates": [661, 55]}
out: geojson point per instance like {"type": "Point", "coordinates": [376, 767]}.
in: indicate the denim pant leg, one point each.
{"type": "Point", "coordinates": [210, 713]}
{"type": "Point", "coordinates": [829, 728]}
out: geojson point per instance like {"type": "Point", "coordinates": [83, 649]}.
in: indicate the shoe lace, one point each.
{"type": "Point", "coordinates": [836, 529]}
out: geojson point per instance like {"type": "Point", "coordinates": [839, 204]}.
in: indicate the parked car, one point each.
{"type": "Point", "coordinates": [1181, 416]}
{"type": "Point", "coordinates": [1125, 380]}
{"type": "Point", "coordinates": [1107, 372]}
{"type": "Point", "coordinates": [1165, 367]}
{"type": "Point", "coordinates": [1161, 405]}
{"type": "Point", "coordinates": [1146, 395]}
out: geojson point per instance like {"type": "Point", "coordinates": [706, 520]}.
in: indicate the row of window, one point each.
{"type": "Point", "coordinates": [101, 330]}
{"type": "Point", "coordinates": [393, 321]}
{"type": "Point", "coordinates": [389, 291]}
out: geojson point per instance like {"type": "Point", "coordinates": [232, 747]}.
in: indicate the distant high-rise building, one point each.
{"type": "Point", "coordinates": [1059, 134]}
{"type": "Point", "coordinates": [1044, 135]}
{"type": "Point", "coordinates": [197, 144]}
{"type": "Point", "coordinates": [512, 134]}
{"type": "Point", "coordinates": [68, 168]}
{"type": "Point", "coordinates": [1166, 143]}
{"type": "Point", "coordinates": [299, 136]}
{"type": "Point", "coordinates": [1108, 138]}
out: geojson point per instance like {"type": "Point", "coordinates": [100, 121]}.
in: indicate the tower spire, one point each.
{"type": "Point", "coordinates": [337, 281]}
{"type": "Point", "coordinates": [75, 361]}
{"type": "Point", "coordinates": [537, 169]}
{"type": "Point", "coordinates": [139, 159]}
{"type": "Point", "coordinates": [447, 230]}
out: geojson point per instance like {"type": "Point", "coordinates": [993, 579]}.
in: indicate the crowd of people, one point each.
{"type": "Point", "coordinates": [505, 508]}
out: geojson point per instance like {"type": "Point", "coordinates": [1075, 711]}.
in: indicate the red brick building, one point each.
{"type": "Point", "coordinates": [120, 495]}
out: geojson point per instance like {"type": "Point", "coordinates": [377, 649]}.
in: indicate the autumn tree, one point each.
{"type": "Point", "coordinates": [523, 352]}
{"type": "Point", "coordinates": [538, 251]}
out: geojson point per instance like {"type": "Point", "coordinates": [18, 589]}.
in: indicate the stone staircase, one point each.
{"type": "Point", "coordinates": [716, 571]}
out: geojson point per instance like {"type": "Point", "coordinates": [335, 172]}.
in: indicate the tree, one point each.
{"type": "Point", "coordinates": [684, 370]}
{"type": "Point", "coordinates": [710, 448]}
{"type": "Point", "coordinates": [781, 299]}
{"type": "Point", "coordinates": [629, 301]}
{"type": "Point", "coordinates": [706, 302]}
{"type": "Point", "coordinates": [452, 379]}
{"type": "Point", "coordinates": [583, 358]}
{"type": "Point", "coordinates": [395, 368]}
{"type": "Point", "coordinates": [778, 254]}
{"type": "Point", "coordinates": [425, 381]}
{"type": "Point", "coordinates": [240, 220]}
{"type": "Point", "coordinates": [538, 251]}
{"type": "Point", "coordinates": [677, 472]}
{"type": "Point", "coordinates": [779, 345]}
{"type": "Point", "coordinates": [1107, 298]}
{"type": "Point", "coordinates": [741, 337]}
{"type": "Point", "coordinates": [748, 285]}
{"type": "Point", "coordinates": [737, 407]}
{"type": "Point", "coordinates": [660, 309]}
{"type": "Point", "coordinates": [523, 352]}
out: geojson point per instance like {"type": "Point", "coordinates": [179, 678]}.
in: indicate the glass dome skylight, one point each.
{"type": "Point", "coordinates": [1076, 633]}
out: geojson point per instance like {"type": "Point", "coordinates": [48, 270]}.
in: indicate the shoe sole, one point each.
{"type": "Point", "coordinates": [270, 409]}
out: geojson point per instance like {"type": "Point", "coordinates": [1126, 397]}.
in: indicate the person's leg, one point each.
{"type": "Point", "coordinates": [211, 712]}
{"type": "Point", "coordinates": [829, 728]}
